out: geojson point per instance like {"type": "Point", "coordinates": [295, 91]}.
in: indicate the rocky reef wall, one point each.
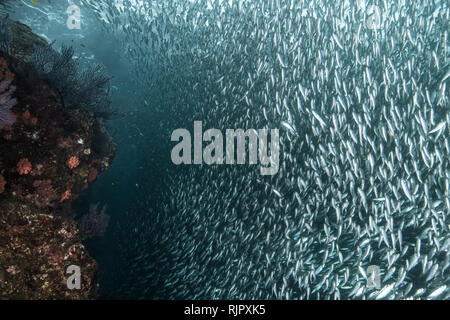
{"type": "Point", "coordinates": [49, 154]}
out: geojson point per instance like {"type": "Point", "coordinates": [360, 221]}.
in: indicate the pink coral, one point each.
{"type": "Point", "coordinates": [66, 196]}
{"type": "Point", "coordinates": [12, 270]}
{"type": "Point", "coordinates": [73, 162]}
{"type": "Point", "coordinates": [24, 166]}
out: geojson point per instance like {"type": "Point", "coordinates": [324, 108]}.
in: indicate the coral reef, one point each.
{"type": "Point", "coordinates": [48, 155]}
{"type": "Point", "coordinates": [36, 249]}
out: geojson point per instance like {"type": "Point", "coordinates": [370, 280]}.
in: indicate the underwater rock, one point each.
{"type": "Point", "coordinates": [36, 248]}
{"type": "Point", "coordinates": [24, 41]}
{"type": "Point", "coordinates": [47, 158]}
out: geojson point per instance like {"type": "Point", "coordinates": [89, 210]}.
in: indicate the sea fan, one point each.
{"type": "Point", "coordinates": [4, 3]}
{"type": "Point", "coordinates": [6, 103]}
{"type": "Point", "coordinates": [5, 32]}
{"type": "Point", "coordinates": [87, 88]}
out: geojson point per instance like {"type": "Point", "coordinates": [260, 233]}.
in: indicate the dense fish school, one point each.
{"type": "Point", "coordinates": [364, 177]}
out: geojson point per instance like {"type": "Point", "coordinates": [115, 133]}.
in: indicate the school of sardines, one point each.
{"type": "Point", "coordinates": [364, 177]}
